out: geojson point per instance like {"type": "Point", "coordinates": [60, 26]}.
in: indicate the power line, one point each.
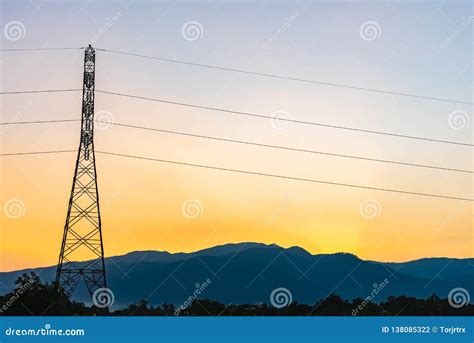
{"type": "Point", "coordinates": [248, 143]}
{"type": "Point", "coordinates": [287, 148]}
{"type": "Point", "coordinates": [42, 91]}
{"type": "Point", "coordinates": [250, 173]}
{"type": "Point", "coordinates": [40, 49]}
{"type": "Point", "coordinates": [288, 120]}
{"type": "Point", "coordinates": [285, 177]}
{"type": "Point", "coordinates": [274, 76]}
{"type": "Point", "coordinates": [40, 121]}
{"type": "Point", "coordinates": [246, 114]}
{"type": "Point", "coordinates": [37, 152]}
{"type": "Point", "coordinates": [288, 77]}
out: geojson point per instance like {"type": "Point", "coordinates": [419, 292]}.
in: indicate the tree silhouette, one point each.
{"type": "Point", "coordinates": [32, 297]}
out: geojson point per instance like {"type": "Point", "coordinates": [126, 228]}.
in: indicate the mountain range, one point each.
{"type": "Point", "coordinates": [247, 273]}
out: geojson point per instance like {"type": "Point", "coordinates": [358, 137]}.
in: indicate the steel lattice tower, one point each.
{"type": "Point", "coordinates": [82, 238]}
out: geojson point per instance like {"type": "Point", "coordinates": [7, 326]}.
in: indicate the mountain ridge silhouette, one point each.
{"type": "Point", "coordinates": [248, 273]}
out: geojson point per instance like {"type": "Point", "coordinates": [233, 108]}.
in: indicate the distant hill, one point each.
{"type": "Point", "coordinates": [248, 272]}
{"type": "Point", "coordinates": [443, 268]}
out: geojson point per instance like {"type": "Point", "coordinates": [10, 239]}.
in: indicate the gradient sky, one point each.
{"type": "Point", "coordinates": [424, 48]}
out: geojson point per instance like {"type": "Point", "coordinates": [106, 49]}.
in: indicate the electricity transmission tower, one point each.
{"type": "Point", "coordinates": [82, 238]}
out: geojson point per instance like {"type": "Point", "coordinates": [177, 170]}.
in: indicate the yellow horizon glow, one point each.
{"type": "Point", "coordinates": [145, 213]}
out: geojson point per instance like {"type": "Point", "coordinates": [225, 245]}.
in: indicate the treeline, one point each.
{"type": "Point", "coordinates": [35, 298]}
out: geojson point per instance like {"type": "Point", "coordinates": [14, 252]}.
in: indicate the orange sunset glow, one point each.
{"type": "Point", "coordinates": [151, 205]}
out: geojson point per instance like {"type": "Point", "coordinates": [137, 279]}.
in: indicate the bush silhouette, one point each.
{"type": "Point", "coordinates": [31, 297]}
